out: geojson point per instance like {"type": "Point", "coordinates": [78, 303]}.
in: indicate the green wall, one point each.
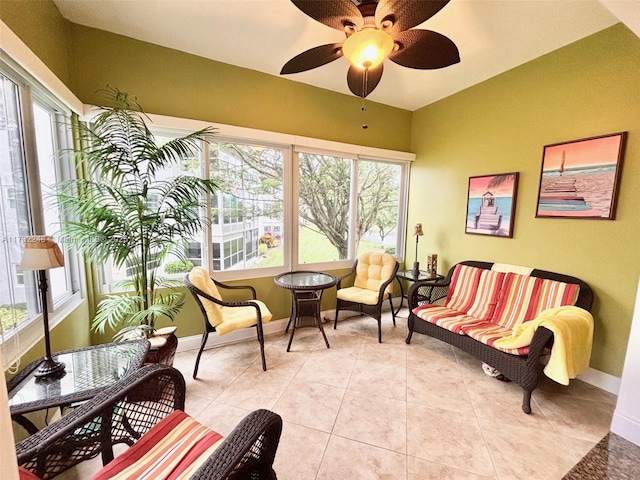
{"type": "Point", "coordinates": [501, 125]}
{"type": "Point", "coordinates": [41, 26]}
{"type": "Point", "coordinates": [174, 83]}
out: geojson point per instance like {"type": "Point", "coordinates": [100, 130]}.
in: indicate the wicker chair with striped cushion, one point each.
{"type": "Point", "coordinates": [145, 411]}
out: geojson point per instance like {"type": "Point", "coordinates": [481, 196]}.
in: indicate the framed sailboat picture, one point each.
{"type": "Point", "coordinates": [579, 179]}
{"type": "Point", "coordinates": [491, 204]}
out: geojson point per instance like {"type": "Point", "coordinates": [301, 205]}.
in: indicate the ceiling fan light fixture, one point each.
{"type": "Point", "coordinates": [367, 48]}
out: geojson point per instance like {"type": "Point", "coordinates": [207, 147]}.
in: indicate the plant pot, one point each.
{"type": "Point", "coordinates": [163, 346]}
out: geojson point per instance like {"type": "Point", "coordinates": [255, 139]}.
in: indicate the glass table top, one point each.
{"type": "Point", "coordinates": [87, 370]}
{"type": "Point", "coordinates": [409, 275]}
{"type": "Point", "coordinates": [305, 280]}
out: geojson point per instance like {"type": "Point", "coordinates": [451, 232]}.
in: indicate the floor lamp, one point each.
{"type": "Point", "coordinates": [42, 253]}
{"type": "Point", "coordinates": [417, 231]}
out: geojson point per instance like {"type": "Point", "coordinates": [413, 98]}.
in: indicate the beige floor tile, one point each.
{"type": "Point", "coordinates": [195, 404]}
{"type": "Point", "coordinates": [384, 353]}
{"type": "Point", "coordinates": [432, 357]}
{"type": "Point", "coordinates": [521, 452]}
{"type": "Point", "coordinates": [221, 418]}
{"type": "Point", "coordinates": [310, 404]}
{"type": "Point", "coordinates": [577, 388]}
{"type": "Point", "coordinates": [372, 419]}
{"type": "Point", "coordinates": [241, 354]}
{"type": "Point", "coordinates": [281, 361]}
{"type": "Point", "coordinates": [447, 437]}
{"type": "Point", "coordinates": [330, 367]}
{"type": "Point", "coordinates": [255, 389]}
{"type": "Point", "coordinates": [438, 390]}
{"type": "Point", "coordinates": [348, 459]}
{"type": "Point", "coordinates": [379, 378]}
{"type": "Point", "coordinates": [418, 469]}
{"type": "Point", "coordinates": [575, 417]}
{"type": "Point", "coordinates": [299, 452]}
{"type": "Point", "coordinates": [213, 378]}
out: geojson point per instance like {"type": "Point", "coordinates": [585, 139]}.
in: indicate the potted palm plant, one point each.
{"type": "Point", "coordinates": [129, 210]}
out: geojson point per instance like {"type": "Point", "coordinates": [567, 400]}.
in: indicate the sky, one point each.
{"type": "Point", "coordinates": [597, 151]}
{"type": "Point", "coordinates": [478, 187]}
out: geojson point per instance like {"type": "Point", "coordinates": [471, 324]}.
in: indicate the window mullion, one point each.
{"type": "Point", "coordinates": [353, 210]}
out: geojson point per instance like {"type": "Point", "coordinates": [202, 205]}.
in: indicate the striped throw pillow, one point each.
{"type": "Point", "coordinates": [462, 291]}
{"type": "Point", "coordinates": [518, 300]}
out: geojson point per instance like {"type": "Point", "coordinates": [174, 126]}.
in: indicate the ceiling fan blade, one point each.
{"type": "Point", "coordinates": [425, 50]}
{"type": "Point", "coordinates": [363, 82]}
{"type": "Point", "coordinates": [333, 13]}
{"type": "Point", "coordinates": [406, 14]}
{"type": "Point", "coordinates": [312, 58]}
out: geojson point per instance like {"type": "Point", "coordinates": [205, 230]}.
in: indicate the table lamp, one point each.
{"type": "Point", "coordinates": [417, 231]}
{"type": "Point", "coordinates": [42, 253]}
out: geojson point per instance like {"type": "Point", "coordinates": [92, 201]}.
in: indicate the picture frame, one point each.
{"type": "Point", "coordinates": [580, 178]}
{"type": "Point", "coordinates": [491, 204]}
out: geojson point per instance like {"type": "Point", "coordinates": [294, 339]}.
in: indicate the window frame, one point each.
{"type": "Point", "coordinates": [30, 91]}
{"type": "Point", "coordinates": [162, 125]}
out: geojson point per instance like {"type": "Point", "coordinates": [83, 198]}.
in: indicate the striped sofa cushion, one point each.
{"type": "Point", "coordinates": [462, 291]}
{"type": "Point", "coordinates": [518, 300]}
{"type": "Point", "coordinates": [488, 333]}
{"type": "Point", "coordinates": [555, 294]}
{"type": "Point", "coordinates": [172, 449]}
{"type": "Point", "coordinates": [487, 295]}
{"type": "Point", "coordinates": [444, 317]}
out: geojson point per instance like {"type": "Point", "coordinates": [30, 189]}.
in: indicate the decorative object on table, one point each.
{"type": "Point", "coordinates": [41, 253]}
{"type": "Point", "coordinates": [375, 31]}
{"type": "Point", "coordinates": [128, 212]}
{"type": "Point", "coordinates": [417, 232]}
{"type": "Point", "coordinates": [579, 179]}
{"type": "Point", "coordinates": [491, 204]}
{"type": "Point", "coordinates": [432, 265]}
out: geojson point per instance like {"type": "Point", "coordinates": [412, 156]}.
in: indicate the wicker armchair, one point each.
{"type": "Point", "coordinates": [374, 274]}
{"type": "Point", "coordinates": [128, 410]}
{"type": "Point", "coordinates": [221, 316]}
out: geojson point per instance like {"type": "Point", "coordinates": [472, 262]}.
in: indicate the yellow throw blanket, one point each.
{"type": "Point", "coordinates": [572, 329]}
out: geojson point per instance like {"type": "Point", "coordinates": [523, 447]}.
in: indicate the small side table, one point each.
{"type": "Point", "coordinates": [89, 371]}
{"type": "Point", "coordinates": [431, 293]}
{"type": "Point", "coordinates": [306, 292]}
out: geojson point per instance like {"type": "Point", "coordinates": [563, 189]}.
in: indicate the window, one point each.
{"type": "Point", "coordinates": [33, 128]}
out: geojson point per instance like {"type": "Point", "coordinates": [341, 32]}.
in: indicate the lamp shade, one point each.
{"type": "Point", "coordinates": [417, 229]}
{"type": "Point", "coordinates": [41, 253]}
{"type": "Point", "coordinates": [367, 48]}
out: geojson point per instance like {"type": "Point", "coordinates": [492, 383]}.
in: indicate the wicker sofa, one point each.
{"type": "Point", "coordinates": [482, 302]}
{"type": "Point", "coordinates": [145, 411]}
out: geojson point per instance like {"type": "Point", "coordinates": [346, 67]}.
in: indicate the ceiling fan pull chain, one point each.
{"type": "Point", "coordinates": [364, 94]}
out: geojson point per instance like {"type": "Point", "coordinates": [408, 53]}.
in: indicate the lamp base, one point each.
{"type": "Point", "coordinates": [416, 269]}
{"type": "Point", "coordinates": [50, 368]}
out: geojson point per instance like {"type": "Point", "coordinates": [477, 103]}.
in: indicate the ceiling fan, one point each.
{"type": "Point", "coordinates": [375, 30]}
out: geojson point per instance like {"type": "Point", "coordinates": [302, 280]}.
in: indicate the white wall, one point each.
{"type": "Point", "coordinates": [626, 418]}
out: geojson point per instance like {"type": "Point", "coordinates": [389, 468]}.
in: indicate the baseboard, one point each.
{"type": "Point", "coordinates": [601, 380]}
{"type": "Point", "coordinates": [626, 427]}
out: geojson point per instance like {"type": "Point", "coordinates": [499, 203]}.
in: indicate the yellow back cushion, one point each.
{"type": "Point", "coordinates": [200, 279]}
{"type": "Point", "coordinates": [373, 270]}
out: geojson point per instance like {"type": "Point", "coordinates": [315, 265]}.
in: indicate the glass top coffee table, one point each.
{"type": "Point", "coordinates": [88, 371]}
{"type": "Point", "coordinates": [306, 293]}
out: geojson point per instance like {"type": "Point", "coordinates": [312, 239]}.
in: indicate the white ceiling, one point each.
{"type": "Point", "coordinates": [492, 35]}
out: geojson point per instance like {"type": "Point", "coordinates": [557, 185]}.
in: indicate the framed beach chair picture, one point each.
{"type": "Point", "coordinates": [579, 179]}
{"type": "Point", "coordinates": [491, 204]}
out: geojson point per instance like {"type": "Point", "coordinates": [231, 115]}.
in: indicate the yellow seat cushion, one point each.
{"type": "Point", "coordinates": [372, 271]}
{"type": "Point", "coordinates": [225, 319]}
{"type": "Point", "coordinates": [242, 317]}
{"type": "Point", "coordinates": [359, 295]}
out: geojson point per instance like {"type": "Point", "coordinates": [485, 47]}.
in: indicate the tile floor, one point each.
{"type": "Point", "coordinates": [364, 410]}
